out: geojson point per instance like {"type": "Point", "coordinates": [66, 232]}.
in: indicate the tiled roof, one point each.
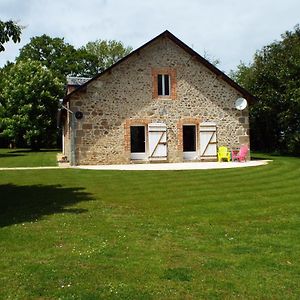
{"type": "Point", "coordinates": [77, 81]}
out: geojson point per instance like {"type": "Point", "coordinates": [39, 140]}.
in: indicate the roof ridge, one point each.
{"type": "Point", "coordinates": [185, 47]}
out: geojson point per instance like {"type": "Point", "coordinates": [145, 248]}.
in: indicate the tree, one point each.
{"type": "Point", "coordinates": [63, 59]}
{"type": "Point", "coordinates": [30, 89]}
{"type": "Point", "coordinates": [9, 30]}
{"type": "Point", "coordinates": [274, 78]}
{"type": "Point", "coordinates": [107, 52]}
{"type": "Point", "coordinates": [29, 99]}
{"type": "Point", "coordinates": [58, 56]}
{"type": "Point", "coordinates": [214, 61]}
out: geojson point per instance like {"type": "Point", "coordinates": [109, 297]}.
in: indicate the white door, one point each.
{"type": "Point", "coordinates": [157, 139]}
{"type": "Point", "coordinates": [208, 140]}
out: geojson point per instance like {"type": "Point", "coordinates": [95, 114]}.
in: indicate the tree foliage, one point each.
{"type": "Point", "coordinates": [31, 88]}
{"type": "Point", "coordinates": [63, 59]}
{"type": "Point", "coordinates": [9, 31]}
{"type": "Point", "coordinates": [59, 57]}
{"type": "Point", "coordinates": [106, 52]}
{"type": "Point", "coordinates": [29, 103]}
{"type": "Point", "coordinates": [274, 78]}
{"type": "Point", "coordinates": [212, 59]}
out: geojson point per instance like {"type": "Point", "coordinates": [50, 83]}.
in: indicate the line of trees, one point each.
{"type": "Point", "coordinates": [274, 78]}
{"type": "Point", "coordinates": [30, 87]}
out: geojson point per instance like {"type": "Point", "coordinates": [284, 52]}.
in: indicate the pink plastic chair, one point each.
{"type": "Point", "coordinates": [241, 155]}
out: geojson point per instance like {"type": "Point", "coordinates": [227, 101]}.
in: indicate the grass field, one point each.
{"type": "Point", "coordinates": [11, 158]}
{"type": "Point", "coordinates": [215, 234]}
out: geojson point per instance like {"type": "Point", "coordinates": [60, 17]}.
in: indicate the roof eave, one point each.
{"type": "Point", "coordinates": [188, 49]}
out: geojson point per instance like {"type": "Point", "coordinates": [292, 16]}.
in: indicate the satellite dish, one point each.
{"type": "Point", "coordinates": [240, 103]}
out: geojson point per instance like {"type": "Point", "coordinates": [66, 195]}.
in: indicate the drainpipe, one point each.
{"type": "Point", "coordinates": [73, 135]}
{"type": "Point", "coordinates": [73, 139]}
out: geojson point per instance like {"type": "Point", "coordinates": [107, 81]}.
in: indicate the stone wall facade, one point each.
{"type": "Point", "coordinates": [126, 95]}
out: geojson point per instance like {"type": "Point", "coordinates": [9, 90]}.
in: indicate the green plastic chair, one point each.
{"type": "Point", "coordinates": [223, 154]}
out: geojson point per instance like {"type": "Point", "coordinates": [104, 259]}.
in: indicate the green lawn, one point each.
{"type": "Point", "coordinates": [215, 234]}
{"type": "Point", "coordinates": [11, 158]}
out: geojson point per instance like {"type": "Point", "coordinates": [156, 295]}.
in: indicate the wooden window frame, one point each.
{"type": "Point", "coordinates": [172, 82]}
{"type": "Point", "coordinates": [165, 91]}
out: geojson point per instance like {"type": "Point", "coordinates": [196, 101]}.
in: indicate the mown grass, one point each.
{"type": "Point", "coordinates": [215, 234]}
{"type": "Point", "coordinates": [12, 158]}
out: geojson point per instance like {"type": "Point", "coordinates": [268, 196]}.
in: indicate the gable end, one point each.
{"type": "Point", "coordinates": [166, 34]}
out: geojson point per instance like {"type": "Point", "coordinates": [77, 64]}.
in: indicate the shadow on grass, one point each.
{"type": "Point", "coordinates": [34, 151]}
{"type": "Point", "coordinates": [20, 204]}
{"type": "Point", "coordinates": [10, 155]}
{"type": "Point", "coordinates": [259, 158]}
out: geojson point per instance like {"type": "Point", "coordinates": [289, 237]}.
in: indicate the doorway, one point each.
{"type": "Point", "coordinates": [137, 142]}
{"type": "Point", "coordinates": [189, 142]}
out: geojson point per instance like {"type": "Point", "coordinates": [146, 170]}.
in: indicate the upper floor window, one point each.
{"type": "Point", "coordinates": [164, 83]}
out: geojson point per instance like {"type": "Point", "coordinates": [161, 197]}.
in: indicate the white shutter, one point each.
{"type": "Point", "coordinates": [157, 139]}
{"type": "Point", "coordinates": [208, 140]}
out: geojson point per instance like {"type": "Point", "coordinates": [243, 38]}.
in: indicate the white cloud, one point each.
{"type": "Point", "coordinates": [229, 30]}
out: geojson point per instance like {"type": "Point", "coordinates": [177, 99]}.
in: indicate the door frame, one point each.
{"type": "Point", "coordinates": [191, 155]}
{"type": "Point", "coordinates": [139, 155]}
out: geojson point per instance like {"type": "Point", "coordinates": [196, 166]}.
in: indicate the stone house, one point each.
{"type": "Point", "coordinates": [162, 102]}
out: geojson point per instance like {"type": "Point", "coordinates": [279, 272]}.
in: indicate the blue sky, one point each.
{"type": "Point", "coordinates": [228, 30]}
